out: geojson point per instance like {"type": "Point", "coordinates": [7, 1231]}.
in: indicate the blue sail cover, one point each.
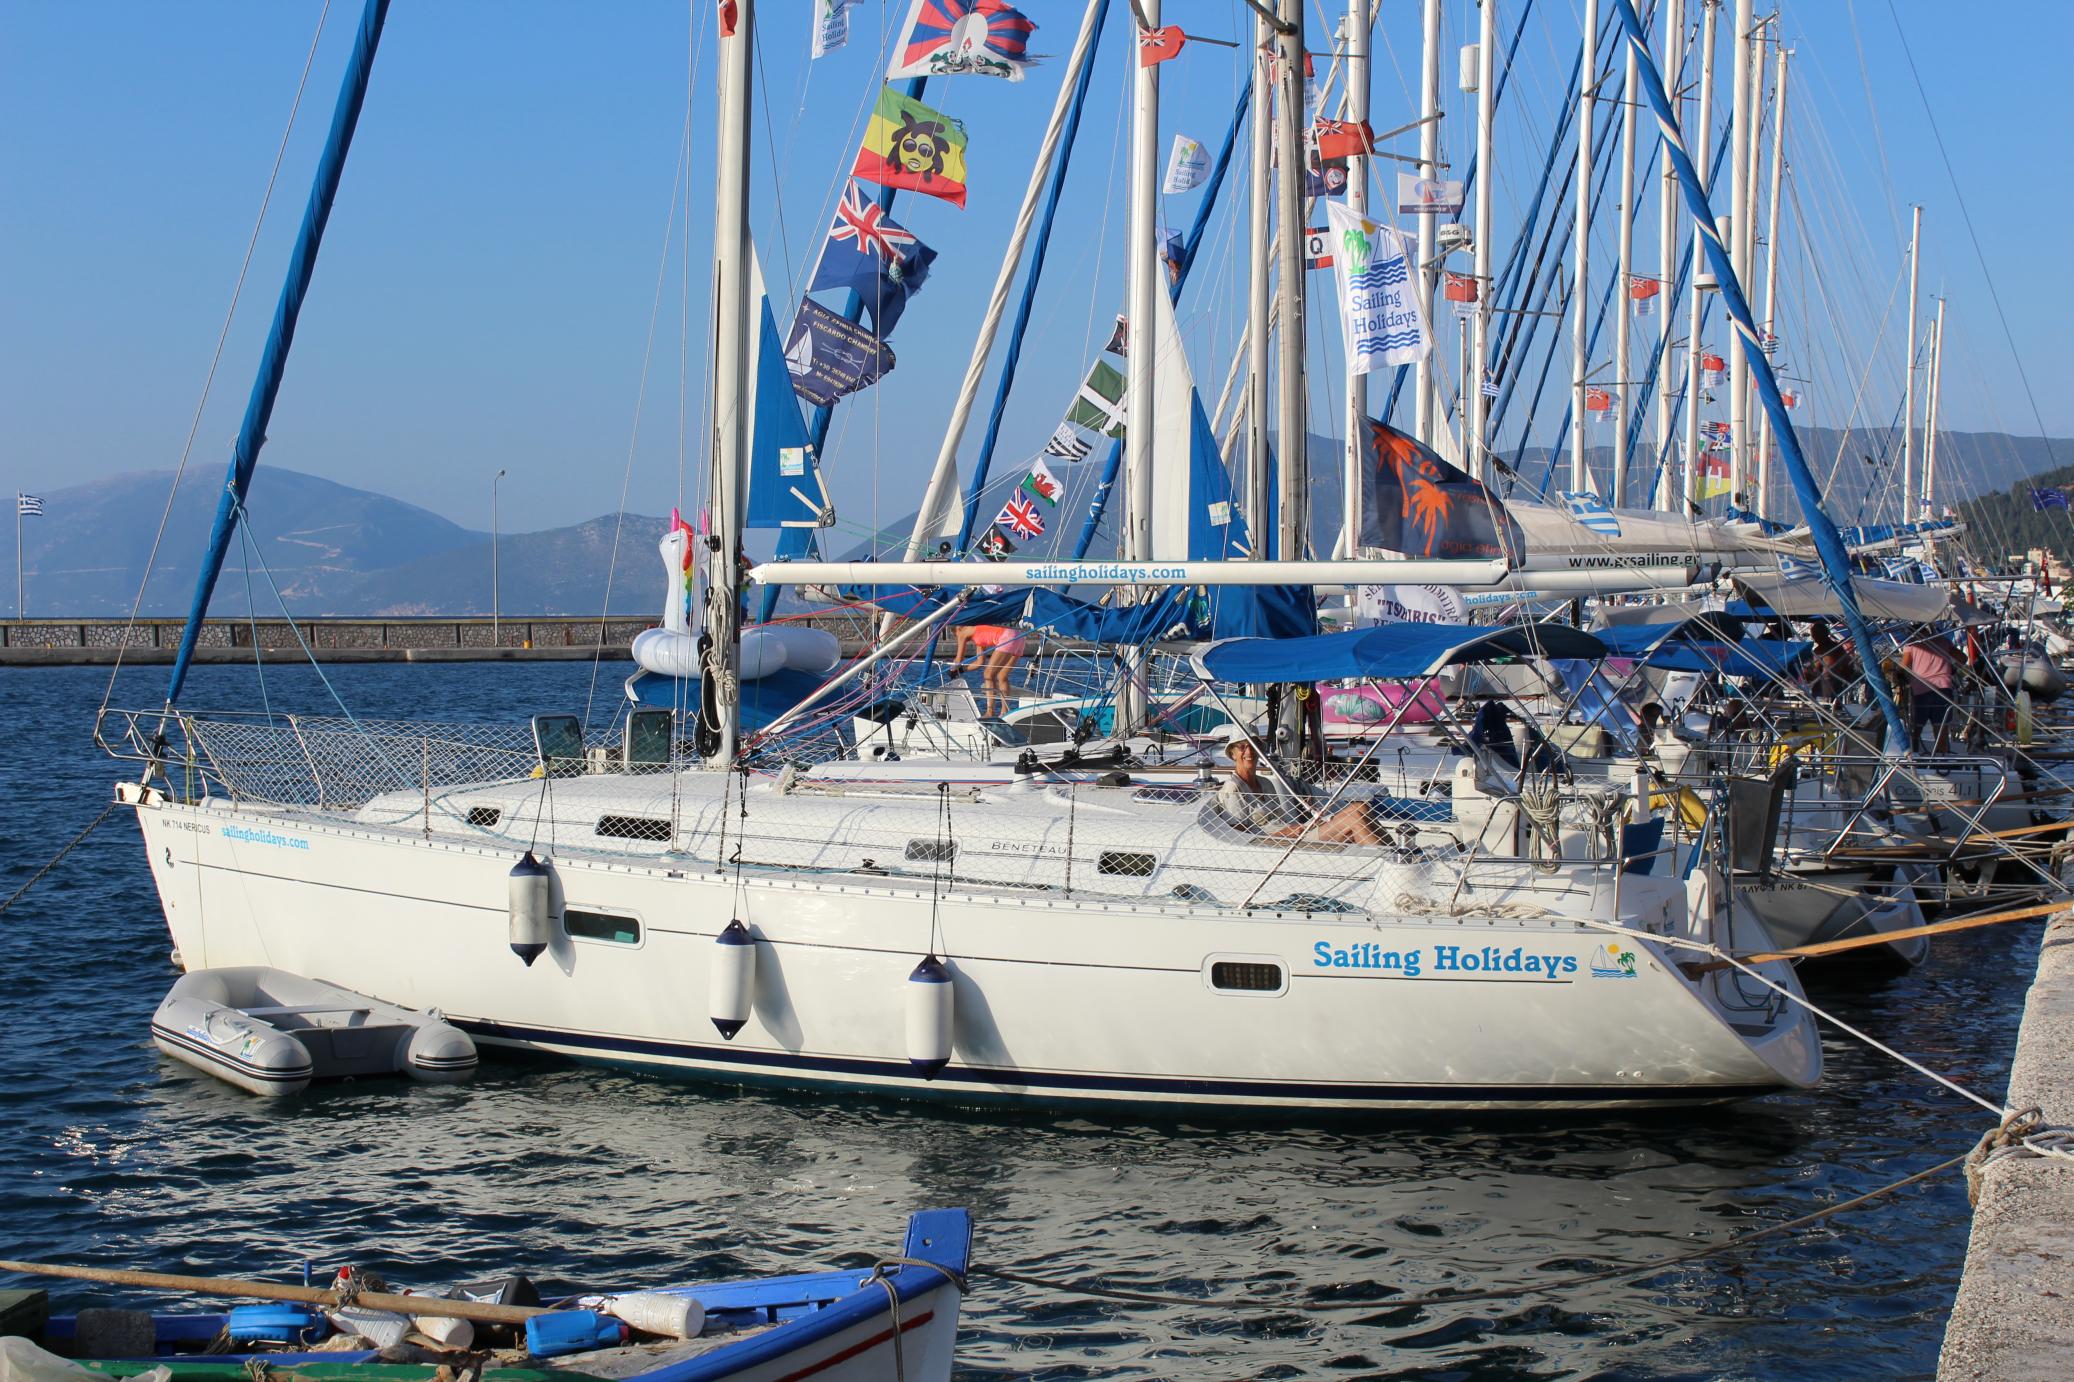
{"type": "Point", "coordinates": [1389, 652]}
{"type": "Point", "coordinates": [785, 488]}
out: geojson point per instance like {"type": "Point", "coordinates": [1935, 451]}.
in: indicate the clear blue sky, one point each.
{"type": "Point", "coordinates": [485, 291]}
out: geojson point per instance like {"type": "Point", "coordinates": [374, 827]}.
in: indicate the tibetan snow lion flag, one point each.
{"type": "Point", "coordinates": [1378, 310]}
{"type": "Point", "coordinates": [909, 145]}
{"type": "Point", "coordinates": [987, 38]}
{"type": "Point", "coordinates": [1416, 504]}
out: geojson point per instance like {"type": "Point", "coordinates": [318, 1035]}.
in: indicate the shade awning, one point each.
{"type": "Point", "coordinates": [1387, 652]}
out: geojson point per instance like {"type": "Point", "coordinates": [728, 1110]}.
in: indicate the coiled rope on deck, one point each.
{"type": "Point", "coordinates": [1387, 1303]}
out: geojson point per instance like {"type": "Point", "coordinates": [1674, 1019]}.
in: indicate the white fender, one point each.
{"type": "Point", "coordinates": [660, 1312]}
{"type": "Point", "coordinates": [532, 901]}
{"type": "Point", "coordinates": [929, 1013]}
{"type": "Point", "coordinates": [732, 981]}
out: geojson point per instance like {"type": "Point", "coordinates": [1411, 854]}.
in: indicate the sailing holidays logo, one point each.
{"type": "Point", "coordinates": [1610, 961]}
{"type": "Point", "coordinates": [1496, 962]}
{"type": "Point", "coordinates": [1379, 312]}
{"type": "Point", "coordinates": [245, 834]}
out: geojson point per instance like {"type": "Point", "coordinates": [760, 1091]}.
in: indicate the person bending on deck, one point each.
{"type": "Point", "coordinates": [997, 648]}
{"type": "Point", "coordinates": [1266, 806]}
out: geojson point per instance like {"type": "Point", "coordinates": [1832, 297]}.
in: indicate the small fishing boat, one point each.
{"type": "Point", "coordinates": [897, 1319]}
{"type": "Point", "coordinates": [273, 1032]}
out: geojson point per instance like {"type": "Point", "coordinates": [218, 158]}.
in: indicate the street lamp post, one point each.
{"type": "Point", "coordinates": [496, 622]}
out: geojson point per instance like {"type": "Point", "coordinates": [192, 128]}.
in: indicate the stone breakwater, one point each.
{"type": "Point", "coordinates": [2014, 1316]}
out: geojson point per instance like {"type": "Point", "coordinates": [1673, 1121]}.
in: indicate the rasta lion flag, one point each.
{"type": "Point", "coordinates": [989, 38]}
{"type": "Point", "coordinates": [1416, 504]}
{"type": "Point", "coordinates": [909, 145]}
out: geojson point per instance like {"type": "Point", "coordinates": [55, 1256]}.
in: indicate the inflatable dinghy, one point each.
{"type": "Point", "coordinates": [273, 1032]}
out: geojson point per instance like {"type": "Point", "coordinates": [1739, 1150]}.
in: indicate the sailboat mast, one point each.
{"type": "Point", "coordinates": [1930, 421]}
{"type": "Point", "coordinates": [1260, 246]}
{"type": "Point", "coordinates": [1294, 469]}
{"type": "Point", "coordinates": [273, 360]}
{"type": "Point", "coordinates": [1623, 299]}
{"type": "Point", "coordinates": [1425, 384]}
{"type": "Point", "coordinates": [1141, 261]}
{"type": "Point", "coordinates": [1702, 141]}
{"type": "Point", "coordinates": [1673, 60]}
{"type": "Point", "coordinates": [1761, 501]}
{"type": "Point", "coordinates": [1908, 379]}
{"type": "Point", "coordinates": [1741, 119]}
{"type": "Point", "coordinates": [1474, 454]}
{"type": "Point", "coordinates": [1052, 157]}
{"type": "Point", "coordinates": [1580, 311]}
{"type": "Point", "coordinates": [1357, 202]}
{"type": "Point", "coordinates": [731, 364]}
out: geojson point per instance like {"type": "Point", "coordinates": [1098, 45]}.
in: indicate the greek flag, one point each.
{"type": "Point", "coordinates": [28, 504]}
{"type": "Point", "coordinates": [1379, 313]}
{"type": "Point", "coordinates": [1587, 509]}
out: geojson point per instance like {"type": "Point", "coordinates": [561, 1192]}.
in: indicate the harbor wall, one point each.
{"type": "Point", "coordinates": [2014, 1316]}
{"type": "Point", "coordinates": [427, 638]}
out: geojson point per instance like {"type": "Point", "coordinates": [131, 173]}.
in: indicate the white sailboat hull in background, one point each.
{"type": "Point", "coordinates": [1056, 1001]}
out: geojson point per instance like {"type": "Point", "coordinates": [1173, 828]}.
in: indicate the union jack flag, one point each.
{"type": "Point", "coordinates": [1022, 518]}
{"type": "Point", "coordinates": [863, 222]}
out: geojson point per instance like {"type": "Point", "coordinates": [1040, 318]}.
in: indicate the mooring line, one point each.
{"type": "Point", "coordinates": [1389, 1303]}
{"type": "Point", "coordinates": [59, 857]}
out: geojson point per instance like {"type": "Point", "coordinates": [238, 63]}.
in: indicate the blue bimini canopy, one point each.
{"type": "Point", "coordinates": [1642, 640]}
{"type": "Point", "coordinates": [1388, 652]}
{"type": "Point", "coordinates": [1751, 657]}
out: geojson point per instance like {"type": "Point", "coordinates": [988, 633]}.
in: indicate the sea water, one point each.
{"type": "Point", "coordinates": [582, 1176]}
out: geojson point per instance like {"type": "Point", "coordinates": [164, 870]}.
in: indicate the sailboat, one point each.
{"type": "Point", "coordinates": [1095, 944]}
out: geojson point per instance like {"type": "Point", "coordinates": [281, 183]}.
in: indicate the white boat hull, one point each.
{"type": "Point", "coordinates": [1055, 1000]}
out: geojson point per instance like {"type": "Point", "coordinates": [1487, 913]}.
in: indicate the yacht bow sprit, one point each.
{"type": "Point", "coordinates": [1473, 794]}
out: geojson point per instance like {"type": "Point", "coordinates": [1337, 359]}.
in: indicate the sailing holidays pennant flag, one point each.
{"type": "Point", "coordinates": [1416, 504]}
{"type": "Point", "coordinates": [1068, 444]}
{"type": "Point", "coordinates": [31, 506]}
{"type": "Point", "coordinates": [1187, 165]}
{"type": "Point", "coordinates": [1642, 294]}
{"type": "Point", "coordinates": [830, 26]}
{"type": "Point", "coordinates": [1378, 311]}
{"type": "Point", "coordinates": [1417, 196]}
{"type": "Point", "coordinates": [987, 38]}
{"type": "Point", "coordinates": [1020, 516]}
{"type": "Point", "coordinates": [1591, 511]}
{"type": "Point", "coordinates": [829, 357]}
{"type": "Point", "coordinates": [1099, 405]}
{"type": "Point", "coordinates": [869, 254]}
{"type": "Point", "coordinates": [909, 145]}
{"type": "Point", "coordinates": [1155, 46]}
{"type": "Point", "coordinates": [1041, 484]}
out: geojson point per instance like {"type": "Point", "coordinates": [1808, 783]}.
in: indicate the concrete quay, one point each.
{"type": "Point", "coordinates": [426, 638]}
{"type": "Point", "coordinates": [2014, 1317]}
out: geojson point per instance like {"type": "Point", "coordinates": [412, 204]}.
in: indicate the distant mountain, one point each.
{"type": "Point", "coordinates": [560, 571]}
{"type": "Point", "coordinates": [86, 554]}
{"type": "Point", "coordinates": [331, 548]}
